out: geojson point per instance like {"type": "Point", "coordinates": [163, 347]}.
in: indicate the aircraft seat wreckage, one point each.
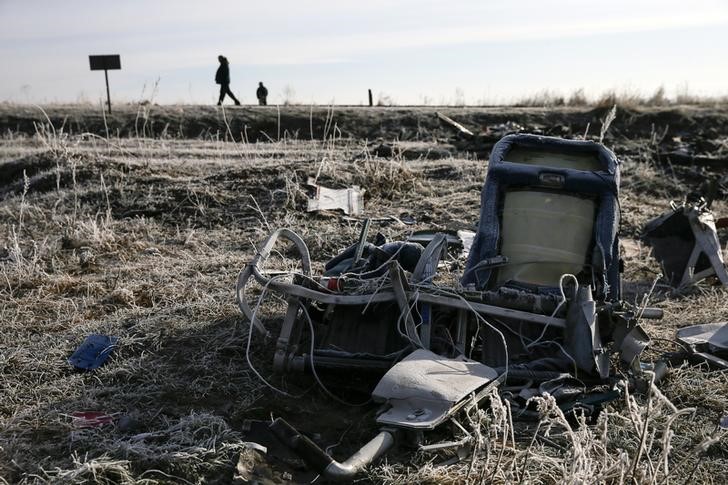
{"type": "Point", "coordinates": [537, 309]}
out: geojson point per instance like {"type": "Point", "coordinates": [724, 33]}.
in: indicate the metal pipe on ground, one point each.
{"type": "Point", "coordinates": [322, 462]}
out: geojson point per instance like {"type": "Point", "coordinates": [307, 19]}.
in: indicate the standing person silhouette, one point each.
{"type": "Point", "coordinates": [262, 94]}
{"type": "Point", "coordinates": [222, 77]}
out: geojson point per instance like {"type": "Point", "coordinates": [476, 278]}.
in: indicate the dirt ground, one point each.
{"type": "Point", "coordinates": [137, 225]}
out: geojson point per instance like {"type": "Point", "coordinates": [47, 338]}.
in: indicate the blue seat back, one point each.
{"type": "Point", "coordinates": [545, 164]}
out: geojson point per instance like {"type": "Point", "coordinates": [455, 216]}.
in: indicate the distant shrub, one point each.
{"type": "Point", "coordinates": [384, 99]}
{"type": "Point", "coordinates": [289, 95]}
{"type": "Point", "coordinates": [577, 98]}
{"type": "Point", "coordinates": [544, 98]}
{"type": "Point", "coordinates": [658, 98]}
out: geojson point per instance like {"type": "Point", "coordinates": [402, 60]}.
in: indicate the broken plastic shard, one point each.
{"type": "Point", "coordinates": [424, 386]}
{"type": "Point", "coordinates": [724, 422]}
{"type": "Point", "coordinates": [93, 352]}
{"type": "Point", "coordinates": [712, 335]}
{"type": "Point", "coordinates": [90, 419]}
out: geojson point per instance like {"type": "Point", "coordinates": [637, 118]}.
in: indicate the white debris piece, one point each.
{"type": "Point", "coordinates": [350, 200]}
{"type": "Point", "coordinates": [467, 237]}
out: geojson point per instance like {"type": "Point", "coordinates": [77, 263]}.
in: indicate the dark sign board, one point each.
{"type": "Point", "coordinates": [102, 63]}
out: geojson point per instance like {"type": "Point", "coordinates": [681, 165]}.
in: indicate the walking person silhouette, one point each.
{"type": "Point", "coordinates": [222, 77]}
{"type": "Point", "coordinates": [262, 94]}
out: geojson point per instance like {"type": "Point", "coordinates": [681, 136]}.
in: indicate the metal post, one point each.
{"type": "Point", "coordinates": [371, 99]}
{"type": "Point", "coordinates": [108, 94]}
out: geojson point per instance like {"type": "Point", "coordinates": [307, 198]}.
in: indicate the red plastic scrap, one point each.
{"type": "Point", "coordinates": [91, 419]}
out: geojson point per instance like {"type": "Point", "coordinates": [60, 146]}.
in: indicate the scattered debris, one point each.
{"type": "Point", "coordinates": [320, 461]}
{"type": "Point", "coordinates": [152, 251]}
{"type": "Point", "coordinates": [707, 342]}
{"type": "Point", "coordinates": [350, 200]}
{"type": "Point", "coordinates": [421, 392]}
{"type": "Point", "coordinates": [454, 124]}
{"type": "Point", "coordinates": [90, 419]}
{"type": "Point", "coordinates": [503, 129]}
{"type": "Point", "coordinates": [263, 445]}
{"type": "Point", "coordinates": [425, 237]}
{"type": "Point", "coordinates": [93, 352]}
{"type": "Point", "coordinates": [540, 315]}
{"type": "Point", "coordinates": [685, 243]}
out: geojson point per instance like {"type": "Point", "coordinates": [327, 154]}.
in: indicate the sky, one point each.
{"type": "Point", "coordinates": [322, 52]}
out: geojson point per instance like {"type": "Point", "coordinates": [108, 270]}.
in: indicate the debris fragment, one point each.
{"type": "Point", "coordinates": [708, 342]}
{"type": "Point", "coordinates": [350, 200]}
{"type": "Point", "coordinates": [422, 388]}
{"type": "Point", "coordinates": [503, 129]}
{"type": "Point", "coordinates": [93, 352]}
{"type": "Point", "coordinates": [90, 419]}
{"type": "Point", "coordinates": [685, 243]}
{"type": "Point", "coordinates": [322, 462]}
{"type": "Point", "coordinates": [467, 238]}
{"type": "Point", "coordinates": [425, 237]}
{"type": "Point", "coordinates": [454, 124]}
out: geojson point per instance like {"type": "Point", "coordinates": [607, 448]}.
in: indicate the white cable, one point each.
{"type": "Point", "coordinates": [534, 342]}
{"type": "Point", "coordinates": [383, 280]}
{"type": "Point", "coordinates": [402, 316]}
{"type": "Point", "coordinates": [313, 367]}
{"type": "Point", "coordinates": [563, 351]}
{"type": "Point", "coordinates": [381, 266]}
{"type": "Point", "coordinates": [480, 317]}
{"type": "Point", "coordinates": [561, 303]}
{"type": "Point", "coordinates": [312, 346]}
{"type": "Point", "coordinates": [250, 338]}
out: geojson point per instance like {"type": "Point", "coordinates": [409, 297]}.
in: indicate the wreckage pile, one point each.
{"type": "Point", "coordinates": [120, 351]}
{"type": "Point", "coordinates": [535, 313]}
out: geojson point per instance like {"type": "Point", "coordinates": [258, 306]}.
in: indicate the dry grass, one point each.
{"type": "Point", "coordinates": [623, 99]}
{"type": "Point", "coordinates": [142, 239]}
{"type": "Point", "coordinates": [634, 440]}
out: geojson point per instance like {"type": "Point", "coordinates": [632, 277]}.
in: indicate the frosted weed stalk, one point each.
{"type": "Point", "coordinates": [383, 177]}
{"type": "Point", "coordinates": [638, 443]}
{"type": "Point", "coordinates": [26, 264]}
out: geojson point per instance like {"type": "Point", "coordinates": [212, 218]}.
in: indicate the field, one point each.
{"type": "Point", "coordinates": [136, 225]}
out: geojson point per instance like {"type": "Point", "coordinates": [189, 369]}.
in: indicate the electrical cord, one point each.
{"type": "Point", "coordinates": [250, 338]}
{"type": "Point", "coordinates": [313, 366]}
{"type": "Point", "coordinates": [561, 303]}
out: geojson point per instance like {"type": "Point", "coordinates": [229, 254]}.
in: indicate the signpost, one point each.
{"type": "Point", "coordinates": [105, 63]}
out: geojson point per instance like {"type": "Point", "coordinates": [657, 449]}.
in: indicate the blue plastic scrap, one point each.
{"type": "Point", "coordinates": [93, 352]}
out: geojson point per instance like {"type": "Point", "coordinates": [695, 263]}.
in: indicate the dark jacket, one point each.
{"type": "Point", "coordinates": [222, 76]}
{"type": "Point", "coordinates": [262, 92]}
